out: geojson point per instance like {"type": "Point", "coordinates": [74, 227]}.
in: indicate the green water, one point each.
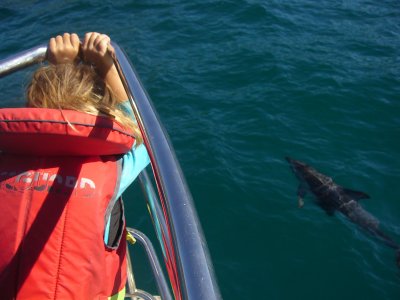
{"type": "Point", "coordinates": [239, 85]}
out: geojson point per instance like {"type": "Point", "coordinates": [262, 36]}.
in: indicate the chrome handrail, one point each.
{"type": "Point", "coordinates": [193, 266]}
{"type": "Point", "coordinates": [186, 256]}
{"type": "Point", "coordinates": [22, 60]}
{"type": "Point", "coordinates": [142, 239]}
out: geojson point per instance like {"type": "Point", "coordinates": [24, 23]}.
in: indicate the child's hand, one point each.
{"type": "Point", "coordinates": [63, 49]}
{"type": "Point", "coordinates": [96, 50]}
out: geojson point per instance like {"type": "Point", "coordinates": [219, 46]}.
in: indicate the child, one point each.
{"type": "Point", "coordinates": [91, 85]}
{"type": "Point", "coordinates": [65, 243]}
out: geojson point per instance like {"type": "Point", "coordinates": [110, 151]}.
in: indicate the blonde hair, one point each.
{"type": "Point", "coordinates": [77, 87]}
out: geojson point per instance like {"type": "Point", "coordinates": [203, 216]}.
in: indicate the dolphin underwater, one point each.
{"type": "Point", "coordinates": [332, 197]}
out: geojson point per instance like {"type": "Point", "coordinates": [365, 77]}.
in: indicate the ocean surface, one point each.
{"type": "Point", "coordinates": [239, 85]}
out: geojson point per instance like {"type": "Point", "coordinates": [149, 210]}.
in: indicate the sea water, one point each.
{"type": "Point", "coordinates": [239, 85]}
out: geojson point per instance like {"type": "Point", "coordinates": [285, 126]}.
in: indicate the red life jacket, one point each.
{"type": "Point", "coordinates": [59, 174]}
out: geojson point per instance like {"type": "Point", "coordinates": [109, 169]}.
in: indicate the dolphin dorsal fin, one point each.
{"type": "Point", "coordinates": [356, 194]}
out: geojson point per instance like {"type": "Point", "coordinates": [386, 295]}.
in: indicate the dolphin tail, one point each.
{"type": "Point", "coordinates": [392, 244]}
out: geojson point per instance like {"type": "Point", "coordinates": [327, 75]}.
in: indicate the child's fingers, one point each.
{"type": "Point", "coordinates": [92, 39]}
{"type": "Point", "coordinates": [100, 38]}
{"type": "Point", "coordinates": [94, 50]}
{"type": "Point", "coordinates": [66, 39]}
{"type": "Point", "coordinates": [102, 47]}
{"type": "Point", "coordinates": [59, 41]}
{"type": "Point", "coordinates": [52, 44]}
{"type": "Point", "coordinates": [75, 41]}
{"type": "Point", "coordinates": [102, 43]}
{"type": "Point", "coordinates": [85, 44]}
{"type": "Point", "coordinates": [51, 49]}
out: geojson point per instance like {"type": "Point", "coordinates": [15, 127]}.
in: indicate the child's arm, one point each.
{"type": "Point", "coordinates": [95, 50]}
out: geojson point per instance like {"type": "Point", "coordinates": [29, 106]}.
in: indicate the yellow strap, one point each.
{"type": "Point", "coordinates": [130, 238]}
{"type": "Point", "coordinates": [118, 296]}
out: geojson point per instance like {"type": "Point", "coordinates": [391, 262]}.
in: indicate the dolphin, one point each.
{"type": "Point", "coordinates": [332, 197]}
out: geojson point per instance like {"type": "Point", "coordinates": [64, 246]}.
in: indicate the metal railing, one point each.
{"type": "Point", "coordinates": [162, 285]}
{"type": "Point", "coordinates": [176, 222]}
